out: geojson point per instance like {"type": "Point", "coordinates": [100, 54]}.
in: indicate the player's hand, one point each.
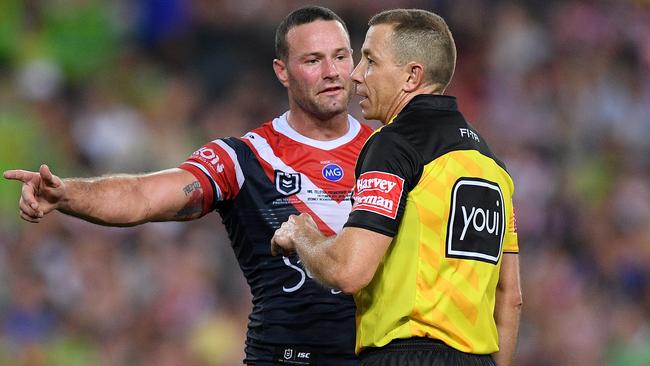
{"type": "Point", "coordinates": [283, 241]}
{"type": "Point", "coordinates": [41, 193]}
{"type": "Point", "coordinates": [297, 228]}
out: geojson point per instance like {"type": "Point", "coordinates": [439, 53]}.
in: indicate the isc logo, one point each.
{"type": "Point", "coordinates": [300, 357]}
{"type": "Point", "coordinates": [476, 221]}
{"type": "Point", "coordinates": [332, 172]}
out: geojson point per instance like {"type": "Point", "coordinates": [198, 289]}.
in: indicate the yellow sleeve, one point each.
{"type": "Point", "coordinates": [510, 241]}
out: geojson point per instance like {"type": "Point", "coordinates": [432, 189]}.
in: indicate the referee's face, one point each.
{"type": "Point", "coordinates": [378, 77]}
{"type": "Point", "coordinates": [318, 67]}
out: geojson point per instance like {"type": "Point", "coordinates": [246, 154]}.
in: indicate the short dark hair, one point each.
{"type": "Point", "coordinates": [298, 17]}
{"type": "Point", "coordinates": [421, 36]}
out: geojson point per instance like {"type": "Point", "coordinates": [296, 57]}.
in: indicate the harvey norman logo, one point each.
{"type": "Point", "coordinates": [378, 192]}
{"type": "Point", "coordinates": [378, 184]}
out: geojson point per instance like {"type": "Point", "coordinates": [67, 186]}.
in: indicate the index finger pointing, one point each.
{"type": "Point", "coordinates": [21, 175]}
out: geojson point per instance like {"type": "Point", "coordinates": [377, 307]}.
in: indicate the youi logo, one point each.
{"type": "Point", "coordinates": [333, 172]}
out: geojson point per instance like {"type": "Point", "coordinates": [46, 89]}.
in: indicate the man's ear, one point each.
{"type": "Point", "coordinates": [415, 79]}
{"type": "Point", "coordinates": [280, 69]}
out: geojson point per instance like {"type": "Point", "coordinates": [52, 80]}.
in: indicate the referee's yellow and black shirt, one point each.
{"type": "Point", "coordinates": [429, 180]}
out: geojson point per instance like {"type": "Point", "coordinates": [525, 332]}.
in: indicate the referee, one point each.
{"type": "Point", "coordinates": [430, 248]}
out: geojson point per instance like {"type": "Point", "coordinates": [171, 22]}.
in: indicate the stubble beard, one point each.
{"type": "Point", "coordinates": [323, 110]}
{"type": "Point", "coordinates": [321, 106]}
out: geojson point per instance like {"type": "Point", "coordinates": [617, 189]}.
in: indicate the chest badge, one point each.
{"type": "Point", "coordinates": [332, 172]}
{"type": "Point", "coordinates": [287, 183]}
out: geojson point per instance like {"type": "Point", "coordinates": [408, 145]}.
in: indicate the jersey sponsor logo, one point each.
{"type": "Point", "coordinates": [287, 183]}
{"type": "Point", "coordinates": [375, 184]}
{"type": "Point", "coordinates": [476, 221]}
{"type": "Point", "coordinates": [288, 354]}
{"type": "Point", "coordinates": [208, 155]}
{"type": "Point", "coordinates": [293, 355]}
{"type": "Point", "coordinates": [304, 273]}
{"type": "Point", "coordinates": [378, 192]}
{"type": "Point", "coordinates": [333, 172]}
{"type": "Point", "coordinates": [467, 133]}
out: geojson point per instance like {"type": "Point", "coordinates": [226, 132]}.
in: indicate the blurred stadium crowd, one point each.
{"type": "Point", "coordinates": [561, 90]}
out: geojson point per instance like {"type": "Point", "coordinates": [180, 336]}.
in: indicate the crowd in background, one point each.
{"type": "Point", "coordinates": [560, 89]}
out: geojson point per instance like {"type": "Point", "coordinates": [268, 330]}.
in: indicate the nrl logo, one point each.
{"type": "Point", "coordinates": [287, 183]}
{"type": "Point", "coordinates": [288, 354]}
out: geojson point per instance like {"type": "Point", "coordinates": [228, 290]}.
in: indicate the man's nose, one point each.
{"type": "Point", "coordinates": [330, 69]}
{"type": "Point", "coordinates": [357, 73]}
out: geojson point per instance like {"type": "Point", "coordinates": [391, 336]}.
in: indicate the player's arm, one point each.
{"type": "Point", "coordinates": [346, 261]}
{"type": "Point", "coordinates": [120, 200]}
{"type": "Point", "coordinates": [508, 308]}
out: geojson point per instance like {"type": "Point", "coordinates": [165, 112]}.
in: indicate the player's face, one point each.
{"type": "Point", "coordinates": [379, 79]}
{"type": "Point", "coordinates": [318, 68]}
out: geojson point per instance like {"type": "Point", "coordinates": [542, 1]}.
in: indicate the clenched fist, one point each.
{"type": "Point", "coordinates": [294, 229]}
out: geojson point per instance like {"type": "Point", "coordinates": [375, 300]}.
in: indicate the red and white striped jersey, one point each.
{"type": "Point", "coordinates": [255, 182]}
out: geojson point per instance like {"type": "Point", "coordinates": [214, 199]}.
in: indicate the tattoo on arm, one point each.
{"type": "Point", "coordinates": [191, 187]}
{"type": "Point", "coordinates": [194, 206]}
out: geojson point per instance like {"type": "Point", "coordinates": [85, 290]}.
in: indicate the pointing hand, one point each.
{"type": "Point", "coordinates": [41, 192]}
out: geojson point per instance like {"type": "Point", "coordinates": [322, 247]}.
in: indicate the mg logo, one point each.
{"type": "Point", "coordinates": [287, 183]}
{"type": "Point", "coordinates": [332, 172]}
